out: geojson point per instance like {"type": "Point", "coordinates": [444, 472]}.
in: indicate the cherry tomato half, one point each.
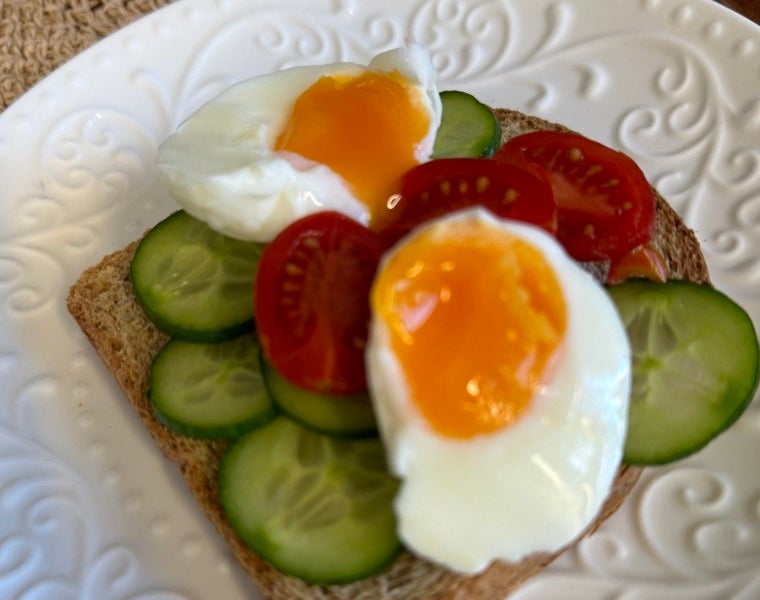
{"type": "Point", "coordinates": [605, 204]}
{"type": "Point", "coordinates": [643, 261]}
{"type": "Point", "coordinates": [312, 301]}
{"type": "Point", "coordinates": [442, 186]}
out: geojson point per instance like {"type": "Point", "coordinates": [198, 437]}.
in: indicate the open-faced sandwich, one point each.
{"type": "Point", "coordinates": [403, 345]}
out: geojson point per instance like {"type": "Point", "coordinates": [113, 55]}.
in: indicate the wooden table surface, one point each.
{"type": "Point", "coordinates": [748, 8]}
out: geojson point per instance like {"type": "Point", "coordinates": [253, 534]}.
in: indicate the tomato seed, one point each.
{"type": "Point", "coordinates": [481, 184]}
{"type": "Point", "coordinates": [589, 231]}
{"type": "Point", "coordinates": [575, 154]}
{"type": "Point", "coordinates": [445, 187]}
{"type": "Point", "coordinates": [293, 269]}
{"type": "Point", "coordinates": [510, 196]}
{"type": "Point", "coordinates": [594, 170]}
{"type": "Point", "coordinates": [462, 187]}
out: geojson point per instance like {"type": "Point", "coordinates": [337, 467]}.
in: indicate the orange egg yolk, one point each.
{"type": "Point", "coordinates": [474, 321]}
{"type": "Point", "coordinates": [365, 128]}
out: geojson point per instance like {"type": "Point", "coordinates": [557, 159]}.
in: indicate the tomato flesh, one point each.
{"type": "Point", "coordinates": [641, 262]}
{"type": "Point", "coordinates": [605, 204]}
{"type": "Point", "coordinates": [312, 301]}
{"type": "Point", "coordinates": [442, 186]}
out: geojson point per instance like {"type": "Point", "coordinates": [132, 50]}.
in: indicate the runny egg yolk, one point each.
{"type": "Point", "coordinates": [365, 128]}
{"type": "Point", "coordinates": [474, 322]}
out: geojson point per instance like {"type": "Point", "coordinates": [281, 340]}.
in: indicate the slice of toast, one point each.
{"type": "Point", "coordinates": [103, 304]}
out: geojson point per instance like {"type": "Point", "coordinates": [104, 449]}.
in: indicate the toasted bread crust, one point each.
{"type": "Point", "coordinates": [103, 304]}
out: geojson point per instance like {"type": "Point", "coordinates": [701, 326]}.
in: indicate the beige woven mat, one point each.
{"type": "Point", "coordinates": [36, 36]}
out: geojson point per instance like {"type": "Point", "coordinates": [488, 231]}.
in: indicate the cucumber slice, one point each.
{"type": "Point", "coordinates": [695, 366]}
{"type": "Point", "coordinates": [334, 414]}
{"type": "Point", "coordinates": [315, 506]}
{"type": "Point", "coordinates": [210, 390]}
{"type": "Point", "coordinates": [194, 283]}
{"type": "Point", "coordinates": [468, 128]}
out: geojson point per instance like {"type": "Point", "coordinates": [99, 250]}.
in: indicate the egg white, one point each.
{"type": "Point", "coordinates": [536, 484]}
{"type": "Point", "coordinates": [220, 166]}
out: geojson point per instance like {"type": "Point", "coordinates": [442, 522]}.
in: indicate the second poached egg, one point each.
{"type": "Point", "coordinates": [500, 375]}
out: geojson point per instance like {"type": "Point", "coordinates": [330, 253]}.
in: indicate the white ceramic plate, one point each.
{"type": "Point", "coordinates": [90, 510]}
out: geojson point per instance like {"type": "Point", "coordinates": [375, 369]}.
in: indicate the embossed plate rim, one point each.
{"type": "Point", "coordinates": [46, 97]}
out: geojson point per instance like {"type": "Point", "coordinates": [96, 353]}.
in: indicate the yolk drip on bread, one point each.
{"type": "Point", "coordinates": [491, 300]}
{"type": "Point", "coordinates": [365, 128]}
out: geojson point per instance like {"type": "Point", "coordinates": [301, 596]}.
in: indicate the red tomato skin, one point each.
{"type": "Point", "coordinates": [312, 301]}
{"type": "Point", "coordinates": [606, 206]}
{"type": "Point", "coordinates": [442, 186]}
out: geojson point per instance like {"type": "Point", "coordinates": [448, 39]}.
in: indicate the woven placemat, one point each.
{"type": "Point", "coordinates": [36, 36]}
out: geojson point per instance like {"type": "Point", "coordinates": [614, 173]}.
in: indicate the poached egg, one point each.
{"type": "Point", "coordinates": [275, 148]}
{"type": "Point", "coordinates": [500, 373]}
